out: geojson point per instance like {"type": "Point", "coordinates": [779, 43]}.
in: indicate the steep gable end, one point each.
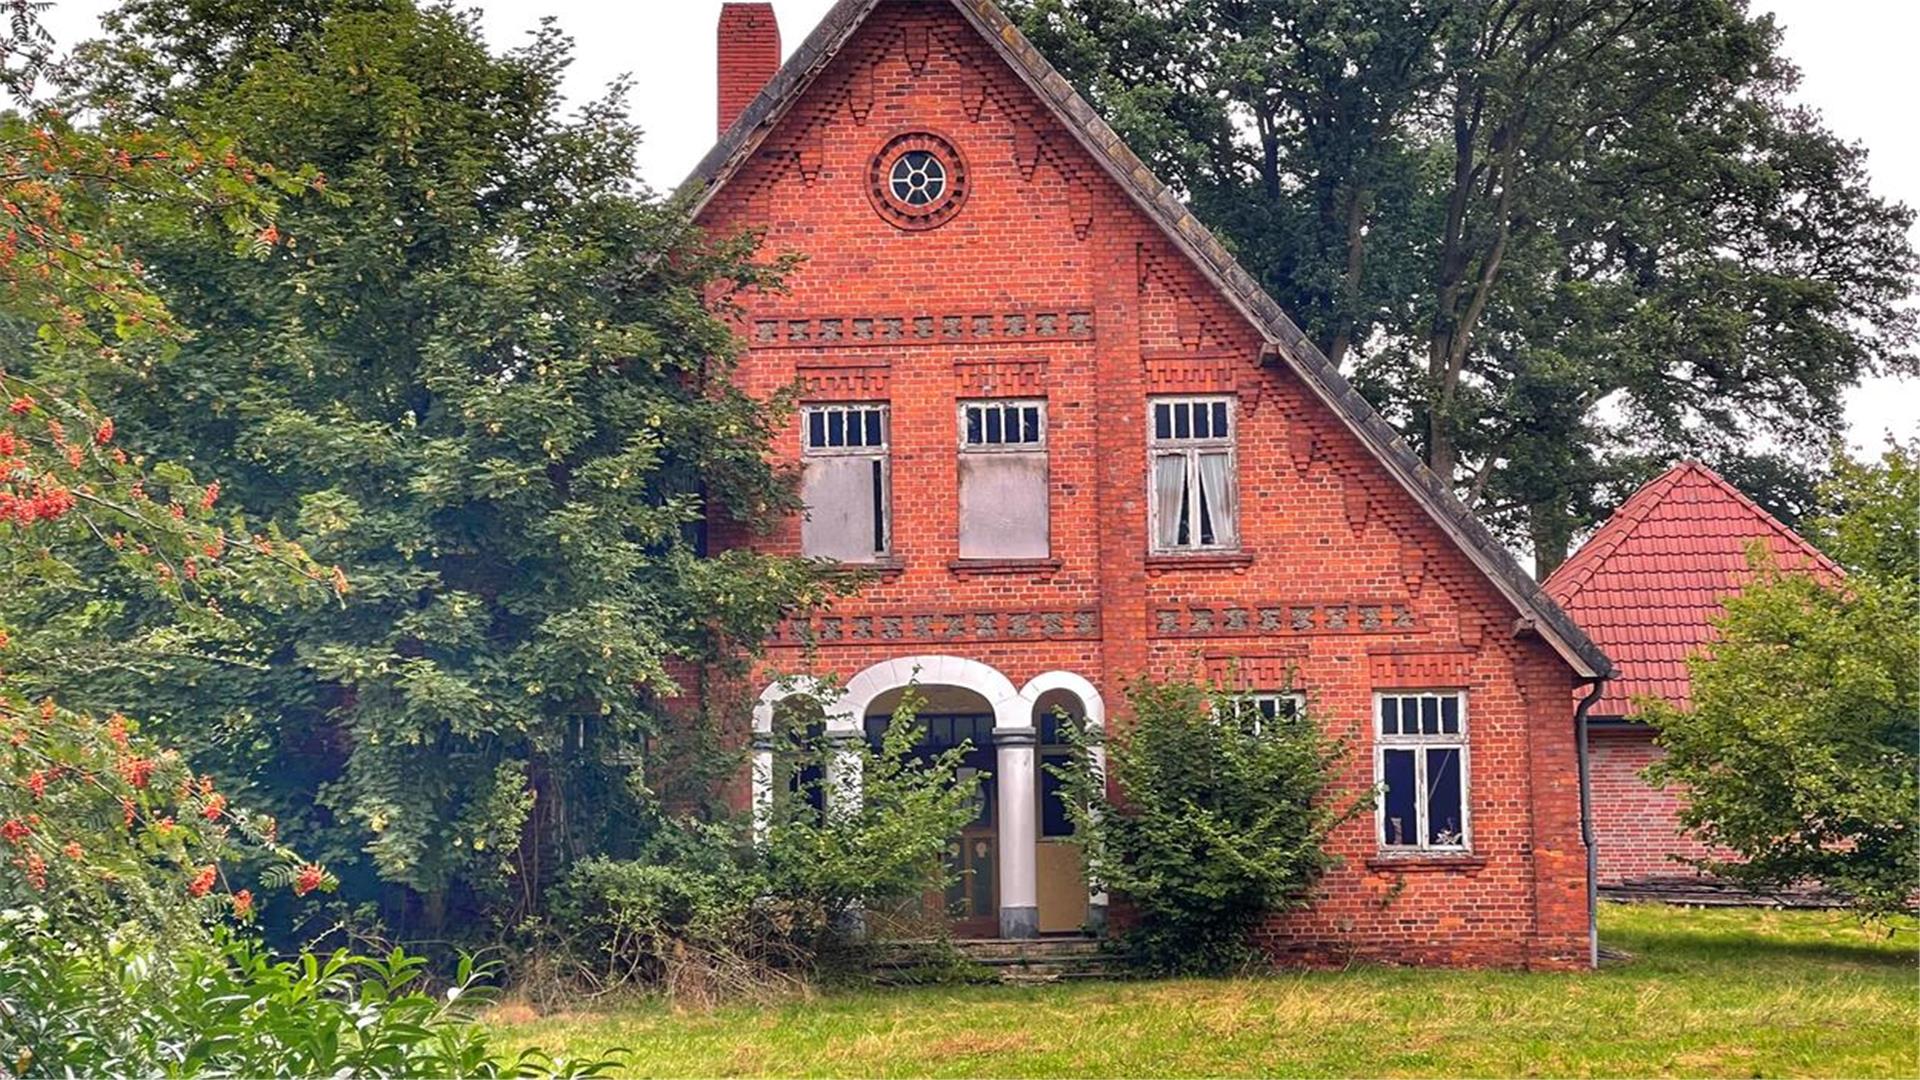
{"type": "Point", "coordinates": [1282, 342]}
{"type": "Point", "coordinates": [1649, 583]}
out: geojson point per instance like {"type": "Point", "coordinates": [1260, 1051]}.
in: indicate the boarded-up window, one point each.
{"type": "Point", "coordinates": [845, 482]}
{"type": "Point", "coordinates": [1003, 480]}
{"type": "Point", "coordinates": [1194, 489]}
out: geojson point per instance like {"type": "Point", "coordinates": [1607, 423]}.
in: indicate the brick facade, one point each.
{"type": "Point", "coordinates": [1050, 283]}
{"type": "Point", "coordinates": [1636, 826]}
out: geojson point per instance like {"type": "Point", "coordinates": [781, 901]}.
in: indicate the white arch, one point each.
{"type": "Point", "coordinates": [932, 670]}
{"type": "Point", "coordinates": [775, 692]}
{"type": "Point", "coordinates": [1090, 700]}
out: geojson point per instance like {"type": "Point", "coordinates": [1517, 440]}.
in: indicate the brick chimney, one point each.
{"type": "Point", "coordinates": [749, 55]}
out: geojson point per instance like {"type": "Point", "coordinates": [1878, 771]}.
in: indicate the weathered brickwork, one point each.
{"type": "Point", "coordinates": [1050, 283]}
{"type": "Point", "coordinates": [1636, 826]}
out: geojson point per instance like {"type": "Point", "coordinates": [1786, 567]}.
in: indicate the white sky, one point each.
{"type": "Point", "coordinates": [1854, 56]}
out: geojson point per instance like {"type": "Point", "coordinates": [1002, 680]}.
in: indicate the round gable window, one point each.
{"type": "Point", "coordinates": [917, 181]}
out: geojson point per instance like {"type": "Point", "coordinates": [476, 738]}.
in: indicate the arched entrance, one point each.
{"type": "Point", "coordinates": [985, 702]}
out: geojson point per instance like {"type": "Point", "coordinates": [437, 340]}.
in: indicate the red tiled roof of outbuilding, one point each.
{"type": "Point", "coordinates": [1649, 583]}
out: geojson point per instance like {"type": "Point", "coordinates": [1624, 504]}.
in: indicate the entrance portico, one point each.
{"type": "Point", "coordinates": [1015, 739]}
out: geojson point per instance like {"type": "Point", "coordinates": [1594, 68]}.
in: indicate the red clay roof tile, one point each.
{"type": "Point", "coordinates": [1648, 584]}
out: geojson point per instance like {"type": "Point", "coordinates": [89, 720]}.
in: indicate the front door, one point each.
{"type": "Point", "coordinates": [970, 903]}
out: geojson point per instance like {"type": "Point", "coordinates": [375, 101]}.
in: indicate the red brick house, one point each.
{"type": "Point", "coordinates": [1646, 588]}
{"type": "Point", "coordinates": [1076, 442]}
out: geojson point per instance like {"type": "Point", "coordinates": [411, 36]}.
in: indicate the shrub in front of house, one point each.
{"type": "Point", "coordinates": [1217, 816]}
{"type": "Point", "coordinates": [705, 913]}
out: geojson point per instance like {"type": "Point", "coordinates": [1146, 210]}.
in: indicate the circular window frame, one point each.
{"type": "Point", "coordinates": [897, 211]}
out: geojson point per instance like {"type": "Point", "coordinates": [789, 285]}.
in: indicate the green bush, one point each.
{"type": "Point", "coordinates": [704, 915]}
{"type": "Point", "coordinates": [1222, 819]}
{"type": "Point", "coordinates": [227, 1009]}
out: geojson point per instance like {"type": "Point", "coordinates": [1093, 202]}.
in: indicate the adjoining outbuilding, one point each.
{"type": "Point", "coordinates": [1646, 588]}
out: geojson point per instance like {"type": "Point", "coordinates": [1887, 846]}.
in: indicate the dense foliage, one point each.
{"type": "Point", "coordinates": [1801, 754]}
{"type": "Point", "coordinates": [486, 373]}
{"type": "Point", "coordinates": [706, 916]}
{"type": "Point", "coordinates": [1559, 244]}
{"type": "Point", "coordinates": [1221, 818]}
{"type": "Point", "coordinates": [230, 1010]}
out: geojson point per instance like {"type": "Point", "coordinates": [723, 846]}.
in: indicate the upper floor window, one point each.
{"type": "Point", "coordinates": [1195, 504]}
{"type": "Point", "coordinates": [1259, 710]}
{"type": "Point", "coordinates": [845, 483]}
{"type": "Point", "coordinates": [1420, 749]}
{"type": "Point", "coordinates": [1003, 480]}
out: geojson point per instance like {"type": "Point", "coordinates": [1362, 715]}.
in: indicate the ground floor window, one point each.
{"type": "Point", "coordinates": [1420, 762]}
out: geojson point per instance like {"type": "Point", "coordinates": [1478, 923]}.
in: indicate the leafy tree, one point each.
{"type": "Point", "coordinates": [487, 373]}
{"type": "Point", "coordinates": [1558, 244]}
{"type": "Point", "coordinates": [1221, 820]}
{"type": "Point", "coordinates": [1801, 754]}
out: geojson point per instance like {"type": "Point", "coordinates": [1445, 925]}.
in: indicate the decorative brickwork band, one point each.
{"type": "Point", "coordinates": [1282, 618]}
{"type": "Point", "coordinates": [841, 331]}
{"type": "Point", "coordinates": [1080, 625]}
{"type": "Point", "coordinates": [1424, 669]}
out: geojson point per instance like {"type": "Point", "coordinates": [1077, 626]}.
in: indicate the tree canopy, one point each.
{"type": "Point", "coordinates": [1801, 754]}
{"type": "Point", "coordinates": [1558, 244]}
{"type": "Point", "coordinates": [483, 369]}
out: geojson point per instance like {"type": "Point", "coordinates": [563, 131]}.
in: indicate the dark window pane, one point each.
{"type": "Point", "coordinates": [993, 425]}
{"type": "Point", "coordinates": [1389, 716]}
{"type": "Point", "coordinates": [1031, 418]}
{"type": "Point", "coordinates": [1220, 419]}
{"type": "Point", "coordinates": [974, 426]}
{"type": "Point", "coordinates": [836, 428]}
{"type": "Point", "coordinates": [1450, 715]}
{"type": "Point", "coordinates": [1444, 819]}
{"type": "Point", "coordinates": [879, 508]}
{"type": "Point", "coordinates": [1430, 716]}
{"type": "Point", "coordinates": [1400, 825]}
{"type": "Point", "coordinates": [1182, 420]}
{"type": "Point", "coordinates": [1162, 421]}
{"type": "Point", "coordinates": [816, 428]}
{"type": "Point", "coordinates": [1206, 515]}
{"type": "Point", "coordinates": [1053, 808]}
{"type": "Point", "coordinates": [1202, 423]}
{"type": "Point", "coordinates": [874, 435]}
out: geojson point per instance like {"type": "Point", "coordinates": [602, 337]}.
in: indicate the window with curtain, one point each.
{"type": "Point", "coordinates": [844, 482]}
{"type": "Point", "coordinates": [1420, 761]}
{"type": "Point", "coordinates": [1195, 497]}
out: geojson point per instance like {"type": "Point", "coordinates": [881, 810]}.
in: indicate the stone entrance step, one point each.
{"type": "Point", "coordinates": [1008, 960]}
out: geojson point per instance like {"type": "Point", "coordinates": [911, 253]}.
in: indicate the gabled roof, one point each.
{"type": "Point", "coordinates": [1285, 343]}
{"type": "Point", "coordinates": [1648, 585]}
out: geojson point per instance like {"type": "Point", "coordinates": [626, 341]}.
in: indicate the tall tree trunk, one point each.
{"type": "Point", "coordinates": [1358, 200]}
{"type": "Point", "coordinates": [1550, 533]}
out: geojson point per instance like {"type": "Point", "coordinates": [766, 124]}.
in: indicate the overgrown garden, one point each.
{"type": "Point", "coordinates": [365, 423]}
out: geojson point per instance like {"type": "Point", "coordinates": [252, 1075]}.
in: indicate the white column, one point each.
{"type": "Point", "coordinates": [1019, 831]}
{"type": "Point", "coordinates": [843, 795]}
{"type": "Point", "coordinates": [1097, 892]}
{"type": "Point", "coordinates": [762, 777]}
{"type": "Point", "coordinates": [843, 773]}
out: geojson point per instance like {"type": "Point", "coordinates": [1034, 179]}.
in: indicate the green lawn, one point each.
{"type": "Point", "coordinates": [1720, 993]}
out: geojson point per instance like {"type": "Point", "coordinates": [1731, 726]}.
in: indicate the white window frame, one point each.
{"type": "Point", "coordinates": [882, 453]}
{"type": "Point", "coordinates": [1039, 446]}
{"type": "Point", "coordinates": [1420, 744]}
{"type": "Point", "coordinates": [1191, 447]}
{"type": "Point", "coordinates": [1259, 698]}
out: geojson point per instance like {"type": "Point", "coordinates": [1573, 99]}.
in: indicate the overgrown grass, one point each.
{"type": "Point", "coordinates": [1709, 993]}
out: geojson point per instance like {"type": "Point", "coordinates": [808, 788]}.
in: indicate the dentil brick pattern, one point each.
{"type": "Point", "coordinates": [1049, 283]}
